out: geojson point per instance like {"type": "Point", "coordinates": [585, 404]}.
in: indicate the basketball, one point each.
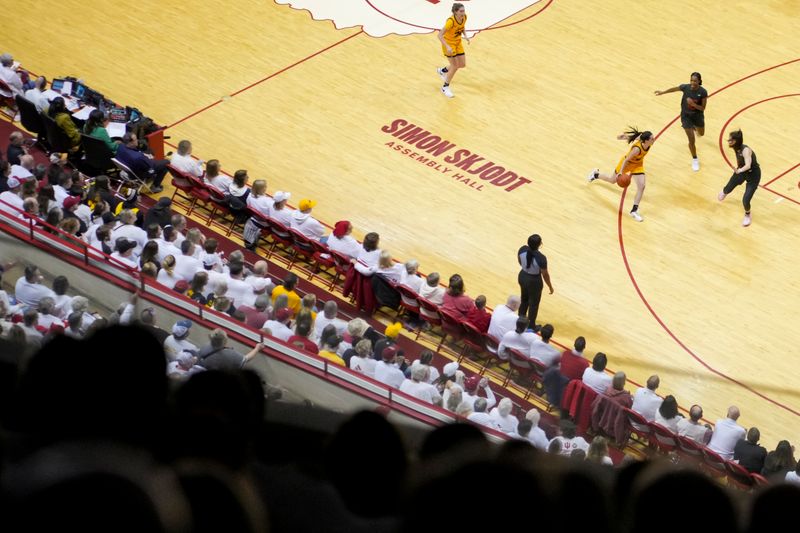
{"type": "Point", "coordinates": [623, 180]}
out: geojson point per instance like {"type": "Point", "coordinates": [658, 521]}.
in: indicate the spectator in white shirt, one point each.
{"type": "Point", "coordinates": [183, 160]}
{"type": "Point", "coordinates": [425, 359]}
{"type": "Point", "coordinates": [239, 290]}
{"type": "Point", "coordinates": [62, 299]}
{"type": "Point", "coordinates": [793, 476]}
{"type": "Point", "coordinates": [503, 417]}
{"type": "Point", "coordinates": [541, 348]}
{"type": "Point", "coordinates": [667, 414]}
{"type": "Point", "coordinates": [166, 243]}
{"type": "Point", "coordinates": [303, 222]}
{"type": "Point", "coordinates": [537, 436]}
{"type": "Point", "coordinates": [471, 386]}
{"type": "Point", "coordinates": [481, 417]}
{"type": "Point", "coordinates": [568, 440]}
{"type": "Point", "coordinates": [80, 304]}
{"type": "Point", "coordinates": [166, 276]}
{"type": "Point", "coordinates": [726, 434]}
{"type": "Point", "coordinates": [29, 289]}
{"type": "Point", "coordinates": [367, 261]}
{"type": "Point", "coordinates": [598, 452]}
{"type": "Point", "coordinates": [179, 340]}
{"type": "Point", "coordinates": [183, 366]}
{"type": "Point", "coordinates": [388, 268]}
{"type": "Point", "coordinates": [387, 370]}
{"type": "Point", "coordinates": [36, 96]}
{"type": "Point", "coordinates": [279, 211]}
{"type": "Point", "coordinates": [519, 339]}
{"type": "Point", "coordinates": [504, 318]}
{"type": "Point", "coordinates": [186, 265]}
{"type": "Point", "coordinates": [258, 199]}
{"type": "Point", "coordinates": [216, 178]}
{"type": "Point", "coordinates": [9, 75]}
{"type": "Point", "coordinates": [595, 376]}
{"type": "Point", "coordinates": [11, 197]}
{"type": "Point", "coordinates": [410, 278]}
{"type": "Point", "coordinates": [362, 361]}
{"type": "Point", "coordinates": [645, 400]}
{"type": "Point", "coordinates": [127, 229]}
{"type": "Point", "coordinates": [328, 316]}
{"type": "Point", "coordinates": [693, 428]}
{"type": "Point", "coordinates": [419, 387]}
{"type": "Point", "coordinates": [431, 290]}
{"type": "Point", "coordinates": [278, 326]}
{"type": "Point", "coordinates": [62, 188]}
{"type": "Point", "coordinates": [178, 227]}
{"type": "Point", "coordinates": [123, 253]}
{"type": "Point", "coordinates": [341, 241]}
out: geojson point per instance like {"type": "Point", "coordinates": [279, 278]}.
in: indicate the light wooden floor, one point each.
{"type": "Point", "coordinates": [543, 98]}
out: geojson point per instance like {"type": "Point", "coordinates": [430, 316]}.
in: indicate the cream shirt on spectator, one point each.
{"type": "Point", "coordinates": [37, 98]}
{"type": "Point", "coordinates": [12, 199]}
{"type": "Point", "coordinates": [598, 381]}
{"type": "Point", "coordinates": [347, 245]}
{"type": "Point", "coordinates": [278, 329]}
{"type": "Point", "coordinates": [166, 248]}
{"type": "Point", "coordinates": [517, 341]}
{"type": "Point", "coordinates": [186, 163]}
{"type": "Point", "coordinates": [433, 372]}
{"type": "Point", "coordinates": [424, 391]}
{"type": "Point", "coordinates": [483, 419]}
{"type": "Point", "coordinates": [544, 352]}
{"type": "Point", "coordinates": [394, 273]}
{"type": "Point", "coordinates": [413, 281]}
{"type": "Point", "coordinates": [284, 216]}
{"type": "Point", "coordinates": [132, 233]}
{"type": "Point", "coordinates": [10, 76]}
{"type": "Point", "coordinates": [507, 424]}
{"type": "Point", "coordinates": [365, 365]}
{"type": "Point", "coordinates": [697, 432]}
{"type": "Point", "coordinates": [30, 293]}
{"type": "Point", "coordinates": [538, 438]}
{"type": "Point", "coordinates": [167, 279]}
{"type": "Point", "coordinates": [262, 204]}
{"type": "Point", "coordinates": [503, 320]}
{"type": "Point", "coordinates": [187, 266]}
{"type": "Point", "coordinates": [308, 225]}
{"type": "Point", "coordinates": [646, 403]}
{"type": "Point", "coordinates": [129, 262]}
{"type": "Point", "coordinates": [567, 445]}
{"type": "Point", "coordinates": [434, 294]}
{"type": "Point", "coordinates": [726, 434]}
{"type": "Point", "coordinates": [322, 321]}
{"type": "Point", "coordinates": [669, 423]}
{"type": "Point", "coordinates": [63, 305]}
{"type": "Point", "coordinates": [367, 262]}
{"type": "Point", "coordinates": [240, 292]}
{"type": "Point", "coordinates": [173, 347]}
{"type": "Point", "coordinates": [389, 374]}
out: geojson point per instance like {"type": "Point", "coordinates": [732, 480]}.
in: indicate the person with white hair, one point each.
{"type": "Point", "coordinates": [258, 279]}
{"type": "Point", "coordinates": [35, 95]}
{"type": "Point", "coordinates": [362, 361]}
{"type": "Point", "coordinates": [455, 397]}
{"type": "Point", "coordinates": [80, 304]}
{"type": "Point", "coordinates": [425, 359]}
{"type": "Point", "coordinates": [463, 409]}
{"type": "Point", "coordinates": [419, 387]}
{"type": "Point", "coordinates": [9, 75]}
{"type": "Point", "coordinates": [47, 317]}
{"type": "Point", "coordinates": [481, 417]}
{"type": "Point", "coordinates": [409, 277]}
{"type": "Point", "coordinates": [183, 366]}
{"type": "Point", "coordinates": [504, 318]}
{"type": "Point", "coordinates": [30, 326]}
{"type": "Point", "coordinates": [11, 197]}
{"type": "Point", "coordinates": [536, 436]}
{"type": "Point", "coordinates": [503, 417]}
{"type": "Point", "coordinates": [328, 316]}
{"type": "Point", "coordinates": [179, 340]}
{"type": "Point", "coordinates": [127, 229]}
{"type": "Point", "coordinates": [727, 432]}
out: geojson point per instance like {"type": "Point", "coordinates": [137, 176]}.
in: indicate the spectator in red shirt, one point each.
{"type": "Point", "coordinates": [573, 363]}
{"type": "Point", "coordinates": [256, 315]}
{"type": "Point", "coordinates": [300, 338]}
{"type": "Point", "coordinates": [455, 300]}
{"type": "Point", "coordinates": [478, 316]}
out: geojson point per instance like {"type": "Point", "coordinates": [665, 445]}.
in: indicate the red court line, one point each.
{"type": "Point", "coordinates": [492, 27]}
{"type": "Point", "coordinates": [779, 176]}
{"type": "Point", "coordinates": [644, 298]}
{"type": "Point", "coordinates": [274, 74]}
{"type": "Point", "coordinates": [779, 194]}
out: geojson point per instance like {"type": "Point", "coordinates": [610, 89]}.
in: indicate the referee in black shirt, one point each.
{"type": "Point", "coordinates": [534, 269]}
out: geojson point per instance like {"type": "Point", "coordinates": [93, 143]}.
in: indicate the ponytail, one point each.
{"type": "Point", "coordinates": [632, 134]}
{"type": "Point", "coordinates": [534, 241]}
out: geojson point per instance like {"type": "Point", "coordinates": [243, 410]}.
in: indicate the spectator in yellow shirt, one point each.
{"type": "Point", "coordinates": [288, 289]}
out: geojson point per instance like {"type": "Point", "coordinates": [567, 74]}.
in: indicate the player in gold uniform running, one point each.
{"type": "Point", "coordinates": [631, 163]}
{"type": "Point", "coordinates": [452, 47]}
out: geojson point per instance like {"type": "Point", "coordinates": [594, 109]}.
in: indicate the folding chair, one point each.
{"type": "Point", "coordinates": [713, 463]}
{"type": "Point", "coordinates": [302, 249]}
{"type": "Point", "coordinates": [665, 440]}
{"type": "Point", "coordinates": [520, 364]}
{"type": "Point", "coordinates": [690, 451]}
{"type": "Point", "coordinates": [281, 237]}
{"type": "Point", "coordinates": [429, 312]}
{"type": "Point", "coordinates": [127, 176]}
{"type": "Point", "coordinates": [451, 325]}
{"type": "Point", "coordinates": [7, 100]}
{"type": "Point", "coordinates": [183, 189]}
{"type": "Point", "coordinates": [739, 476]}
{"type": "Point", "coordinates": [639, 427]}
{"type": "Point", "coordinates": [341, 265]}
{"type": "Point", "coordinates": [202, 198]}
{"type": "Point", "coordinates": [474, 343]}
{"type": "Point", "coordinates": [408, 300]}
{"type": "Point", "coordinates": [322, 259]}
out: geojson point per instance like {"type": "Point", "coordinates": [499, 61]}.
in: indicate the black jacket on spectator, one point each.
{"type": "Point", "coordinates": [750, 456]}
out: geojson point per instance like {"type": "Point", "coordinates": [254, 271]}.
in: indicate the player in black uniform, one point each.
{"type": "Point", "coordinates": [747, 171]}
{"type": "Point", "coordinates": [693, 105]}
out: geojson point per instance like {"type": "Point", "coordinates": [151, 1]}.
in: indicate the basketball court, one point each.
{"type": "Point", "coordinates": [339, 101]}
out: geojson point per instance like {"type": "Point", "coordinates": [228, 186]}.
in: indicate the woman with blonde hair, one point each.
{"type": "Point", "coordinates": [598, 452]}
{"type": "Point", "coordinates": [166, 276]}
{"type": "Point", "coordinates": [258, 199]}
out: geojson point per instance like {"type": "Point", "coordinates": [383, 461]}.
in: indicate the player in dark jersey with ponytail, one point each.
{"type": "Point", "coordinates": [693, 106]}
{"type": "Point", "coordinates": [747, 171]}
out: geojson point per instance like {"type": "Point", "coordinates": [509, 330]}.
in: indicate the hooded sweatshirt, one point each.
{"type": "Point", "coordinates": [307, 225]}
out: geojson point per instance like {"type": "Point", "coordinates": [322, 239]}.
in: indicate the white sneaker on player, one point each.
{"type": "Point", "coordinates": [721, 196]}
{"type": "Point", "coordinates": [592, 175]}
{"type": "Point", "coordinates": [695, 164]}
{"type": "Point", "coordinates": [747, 221]}
{"type": "Point", "coordinates": [636, 216]}
{"type": "Point", "coordinates": [442, 74]}
{"type": "Point", "coordinates": [447, 92]}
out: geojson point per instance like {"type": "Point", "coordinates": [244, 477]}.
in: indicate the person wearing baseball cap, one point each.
{"type": "Point", "coordinates": [123, 252]}
{"type": "Point", "coordinates": [278, 326]}
{"type": "Point", "coordinates": [10, 199]}
{"type": "Point", "coordinates": [179, 340]}
{"type": "Point", "coordinates": [280, 211]}
{"type": "Point", "coordinates": [471, 386]}
{"type": "Point", "coordinates": [70, 207]}
{"type": "Point", "coordinates": [387, 370]}
{"type": "Point", "coordinates": [309, 226]}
